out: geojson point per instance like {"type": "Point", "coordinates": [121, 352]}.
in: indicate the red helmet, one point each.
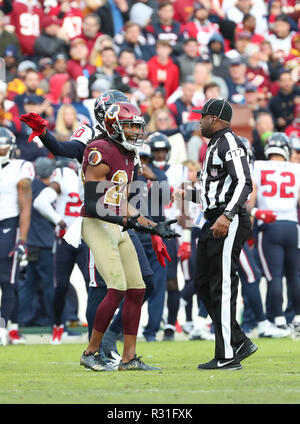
{"type": "Point", "coordinates": [121, 113]}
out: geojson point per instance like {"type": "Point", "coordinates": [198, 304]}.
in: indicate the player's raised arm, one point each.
{"type": "Point", "coordinates": [72, 149]}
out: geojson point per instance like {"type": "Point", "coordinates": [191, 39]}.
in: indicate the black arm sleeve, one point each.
{"type": "Point", "coordinates": [93, 204]}
{"type": "Point", "coordinates": [69, 149]}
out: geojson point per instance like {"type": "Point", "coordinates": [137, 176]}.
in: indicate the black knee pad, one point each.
{"type": "Point", "coordinates": [172, 285]}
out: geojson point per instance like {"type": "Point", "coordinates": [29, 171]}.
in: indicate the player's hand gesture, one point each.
{"type": "Point", "coordinates": [36, 123]}
{"type": "Point", "coordinates": [164, 230]}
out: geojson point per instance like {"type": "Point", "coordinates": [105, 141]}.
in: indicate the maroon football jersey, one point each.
{"type": "Point", "coordinates": [121, 164]}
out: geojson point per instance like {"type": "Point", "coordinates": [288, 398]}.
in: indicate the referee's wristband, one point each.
{"type": "Point", "coordinates": [228, 215]}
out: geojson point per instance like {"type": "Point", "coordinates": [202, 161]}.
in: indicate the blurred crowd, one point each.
{"type": "Point", "coordinates": [168, 57]}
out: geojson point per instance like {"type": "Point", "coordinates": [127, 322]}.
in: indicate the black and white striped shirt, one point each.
{"type": "Point", "coordinates": [225, 179]}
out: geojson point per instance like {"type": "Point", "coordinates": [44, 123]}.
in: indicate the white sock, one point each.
{"type": "Point", "coordinates": [13, 327]}
{"type": "Point", "coordinates": [280, 320]}
{"type": "Point", "coordinates": [296, 319]}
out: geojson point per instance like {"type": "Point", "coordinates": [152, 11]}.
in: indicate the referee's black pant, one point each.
{"type": "Point", "coordinates": [216, 281]}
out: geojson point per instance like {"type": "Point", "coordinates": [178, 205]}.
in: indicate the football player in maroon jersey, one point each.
{"type": "Point", "coordinates": [108, 166]}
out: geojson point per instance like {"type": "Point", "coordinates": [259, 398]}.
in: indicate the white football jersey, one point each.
{"type": "Point", "coordinates": [10, 175]}
{"type": "Point", "coordinates": [277, 187]}
{"type": "Point", "coordinates": [68, 203]}
{"type": "Point", "coordinates": [84, 134]}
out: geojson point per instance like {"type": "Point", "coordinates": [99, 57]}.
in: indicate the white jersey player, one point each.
{"type": "Point", "coordinates": [63, 190]}
{"type": "Point", "coordinates": [276, 186]}
{"type": "Point", "coordinates": [15, 199]}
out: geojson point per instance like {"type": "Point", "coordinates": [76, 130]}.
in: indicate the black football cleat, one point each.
{"type": "Point", "coordinates": [246, 348]}
{"type": "Point", "coordinates": [221, 364]}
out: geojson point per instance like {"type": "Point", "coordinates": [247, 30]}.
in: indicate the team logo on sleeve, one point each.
{"type": "Point", "coordinates": [94, 157]}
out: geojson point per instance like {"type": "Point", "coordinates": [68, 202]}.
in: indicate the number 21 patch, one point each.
{"type": "Point", "coordinates": [94, 157]}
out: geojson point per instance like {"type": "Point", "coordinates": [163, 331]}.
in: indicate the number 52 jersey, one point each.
{"type": "Point", "coordinates": [278, 185]}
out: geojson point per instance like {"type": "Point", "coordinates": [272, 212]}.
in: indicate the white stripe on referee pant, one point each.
{"type": "Point", "coordinates": [226, 287]}
{"type": "Point", "coordinates": [14, 264]}
{"type": "Point", "coordinates": [247, 267]}
{"type": "Point", "coordinates": [262, 258]}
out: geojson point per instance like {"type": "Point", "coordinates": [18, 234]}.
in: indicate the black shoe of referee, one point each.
{"type": "Point", "coordinates": [221, 364]}
{"type": "Point", "coordinates": [245, 349]}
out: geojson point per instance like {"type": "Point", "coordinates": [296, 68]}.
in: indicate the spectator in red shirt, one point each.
{"type": "Point", "coordinates": [57, 92]}
{"type": "Point", "coordinates": [257, 71]}
{"type": "Point", "coordinates": [162, 69]}
{"type": "Point", "coordinates": [71, 15]}
{"type": "Point", "coordinates": [293, 130]}
{"type": "Point", "coordinates": [249, 24]}
{"type": "Point", "coordinates": [78, 64]}
{"type": "Point", "coordinates": [90, 30]}
{"type": "Point", "coordinates": [201, 28]}
{"type": "Point", "coordinates": [26, 18]}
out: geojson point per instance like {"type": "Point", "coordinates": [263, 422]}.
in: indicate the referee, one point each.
{"type": "Point", "coordinates": [225, 187]}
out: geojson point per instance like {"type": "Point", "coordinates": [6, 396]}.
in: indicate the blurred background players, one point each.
{"type": "Point", "coordinates": [158, 189]}
{"type": "Point", "coordinates": [15, 191]}
{"type": "Point", "coordinates": [39, 276]}
{"type": "Point", "coordinates": [63, 190]}
{"type": "Point", "coordinates": [176, 175]}
{"type": "Point", "coordinates": [276, 189]}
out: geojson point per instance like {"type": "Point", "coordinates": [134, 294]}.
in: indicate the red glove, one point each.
{"type": "Point", "coordinates": [36, 123]}
{"type": "Point", "coordinates": [267, 215]}
{"type": "Point", "coordinates": [184, 251]}
{"type": "Point", "coordinates": [62, 229]}
{"type": "Point", "coordinates": [160, 250]}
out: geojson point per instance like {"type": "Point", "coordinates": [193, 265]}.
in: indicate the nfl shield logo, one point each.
{"type": "Point", "coordinates": [213, 172]}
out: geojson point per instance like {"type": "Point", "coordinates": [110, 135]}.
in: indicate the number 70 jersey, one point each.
{"type": "Point", "coordinates": [278, 185]}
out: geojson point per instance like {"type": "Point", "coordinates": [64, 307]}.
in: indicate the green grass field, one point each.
{"type": "Point", "coordinates": [45, 374]}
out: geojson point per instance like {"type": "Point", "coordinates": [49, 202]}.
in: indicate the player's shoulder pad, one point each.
{"type": "Point", "coordinates": [84, 134]}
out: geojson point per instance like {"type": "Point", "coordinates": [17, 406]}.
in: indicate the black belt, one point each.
{"type": "Point", "coordinates": [212, 214]}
